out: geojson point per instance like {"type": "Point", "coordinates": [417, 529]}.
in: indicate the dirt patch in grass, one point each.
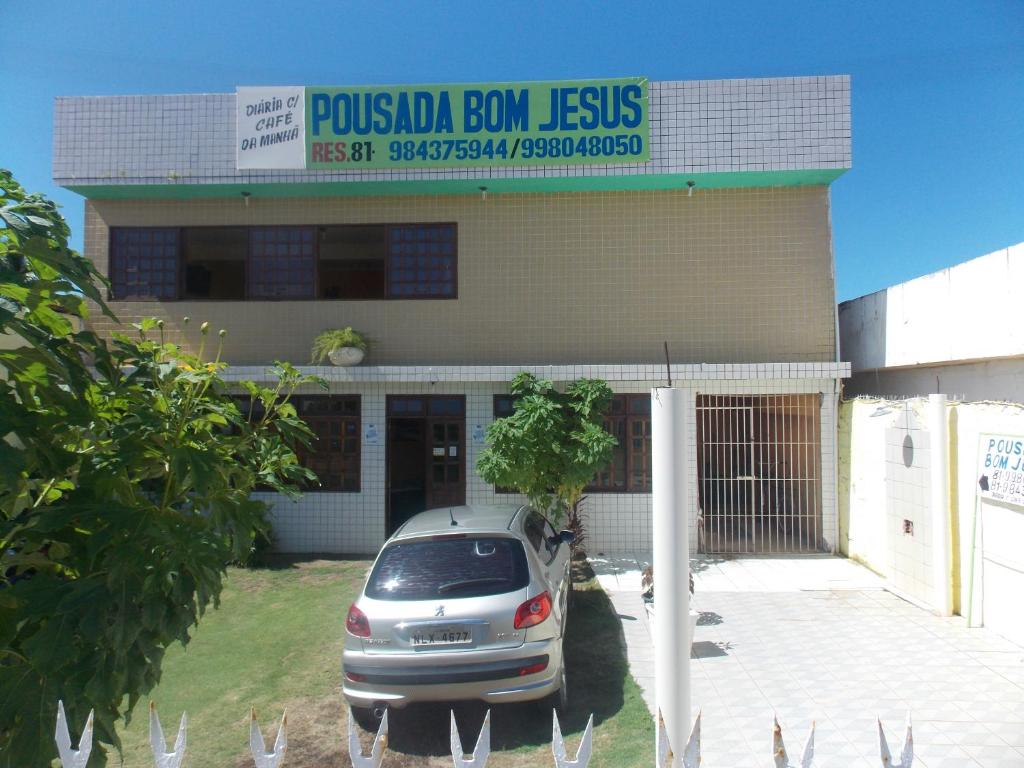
{"type": "Point", "coordinates": [316, 732]}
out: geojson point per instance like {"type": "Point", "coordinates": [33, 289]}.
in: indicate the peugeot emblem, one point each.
{"type": "Point", "coordinates": [439, 611]}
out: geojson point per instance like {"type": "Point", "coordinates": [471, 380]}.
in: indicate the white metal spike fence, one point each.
{"type": "Point", "coordinates": [690, 757]}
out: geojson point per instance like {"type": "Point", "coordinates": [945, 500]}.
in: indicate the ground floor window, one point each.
{"type": "Point", "coordinates": [629, 420]}
{"type": "Point", "coordinates": [335, 455]}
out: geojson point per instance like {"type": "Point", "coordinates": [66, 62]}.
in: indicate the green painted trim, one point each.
{"type": "Point", "coordinates": [730, 180]}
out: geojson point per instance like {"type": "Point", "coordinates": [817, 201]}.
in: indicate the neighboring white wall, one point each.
{"type": "Point", "coordinates": [879, 489]}
{"type": "Point", "coordinates": [980, 380]}
{"type": "Point", "coordinates": [999, 543]}
{"type": "Point", "coordinates": [968, 312]}
{"type": "Point", "coordinates": [886, 479]}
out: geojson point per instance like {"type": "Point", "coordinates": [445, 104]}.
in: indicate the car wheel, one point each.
{"type": "Point", "coordinates": [558, 700]}
{"type": "Point", "coordinates": [366, 718]}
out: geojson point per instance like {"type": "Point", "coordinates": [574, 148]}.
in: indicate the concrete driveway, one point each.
{"type": "Point", "coordinates": [820, 639]}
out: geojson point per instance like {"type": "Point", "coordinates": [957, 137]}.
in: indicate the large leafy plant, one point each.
{"type": "Point", "coordinates": [125, 475]}
{"type": "Point", "coordinates": [552, 445]}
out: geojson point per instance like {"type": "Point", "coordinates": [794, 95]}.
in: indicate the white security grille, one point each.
{"type": "Point", "coordinates": [759, 472]}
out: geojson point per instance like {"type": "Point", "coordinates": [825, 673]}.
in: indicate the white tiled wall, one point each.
{"type": "Point", "coordinates": [616, 522]}
{"type": "Point", "coordinates": [908, 489]}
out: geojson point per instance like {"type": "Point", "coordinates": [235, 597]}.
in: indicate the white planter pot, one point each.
{"type": "Point", "coordinates": [346, 356]}
{"type": "Point", "coordinates": [694, 616]}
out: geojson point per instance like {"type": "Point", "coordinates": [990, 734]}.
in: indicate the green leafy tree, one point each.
{"type": "Point", "coordinates": [125, 479]}
{"type": "Point", "coordinates": [552, 445]}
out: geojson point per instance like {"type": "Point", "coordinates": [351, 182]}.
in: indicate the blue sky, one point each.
{"type": "Point", "coordinates": [938, 87]}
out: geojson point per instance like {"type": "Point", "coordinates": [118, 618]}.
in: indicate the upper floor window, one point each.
{"type": "Point", "coordinates": [373, 261]}
{"type": "Point", "coordinates": [215, 262]}
{"type": "Point", "coordinates": [144, 263]}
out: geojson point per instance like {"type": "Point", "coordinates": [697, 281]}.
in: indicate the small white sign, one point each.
{"type": "Point", "coordinates": [1001, 468]}
{"type": "Point", "coordinates": [479, 435]}
{"type": "Point", "coordinates": [371, 436]}
{"type": "Point", "coordinates": [270, 127]}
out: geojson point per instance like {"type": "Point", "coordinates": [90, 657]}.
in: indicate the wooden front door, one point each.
{"type": "Point", "coordinates": [426, 462]}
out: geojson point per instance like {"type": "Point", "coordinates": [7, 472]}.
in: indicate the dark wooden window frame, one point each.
{"type": "Point", "coordinates": [629, 418]}
{"type": "Point", "coordinates": [499, 409]}
{"type": "Point", "coordinates": [343, 419]}
{"type": "Point", "coordinates": [113, 263]}
{"type": "Point", "coordinates": [244, 405]}
{"type": "Point", "coordinates": [116, 267]}
{"type": "Point", "coordinates": [507, 402]}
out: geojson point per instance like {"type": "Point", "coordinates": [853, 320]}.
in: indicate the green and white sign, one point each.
{"type": "Point", "coordinates": [450, 126]}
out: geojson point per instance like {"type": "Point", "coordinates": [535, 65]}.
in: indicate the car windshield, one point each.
{"type": "Point", "coordinates": [470, 567]}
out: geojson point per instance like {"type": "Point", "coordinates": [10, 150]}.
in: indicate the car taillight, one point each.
{"type": "Point", "coordinates": [533, 611]}
{"type": "Point", "coordinates": [356, 623]}
{"type": "Point", "coordinates": [533, 669]}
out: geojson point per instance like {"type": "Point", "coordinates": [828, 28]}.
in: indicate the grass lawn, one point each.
{"type": "Point", "coordinates": [276, 643]}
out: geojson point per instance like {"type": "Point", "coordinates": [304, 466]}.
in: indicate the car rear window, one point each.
{"type": "Point", "coordinates": [449, 568]}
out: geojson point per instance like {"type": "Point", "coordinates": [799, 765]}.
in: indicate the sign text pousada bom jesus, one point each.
{"type": "Point", "coordinates": [438, 126]}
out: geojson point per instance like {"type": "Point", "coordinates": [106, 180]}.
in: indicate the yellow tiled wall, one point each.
{"type": "Point", "coordinates": [723, 276]}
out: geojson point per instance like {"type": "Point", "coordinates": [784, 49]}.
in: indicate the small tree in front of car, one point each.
{"type": "Point", "coordinates": [552, 445]}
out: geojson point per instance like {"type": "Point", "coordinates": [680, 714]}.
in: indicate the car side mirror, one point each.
{"type": "Point", "coordinates": [567, 537]}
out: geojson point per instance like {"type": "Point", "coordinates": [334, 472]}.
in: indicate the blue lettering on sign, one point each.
{"type": "Point", "coordinates": [610, 107]}
{"type": "Point", "coordinates": [495, 110]}
{"type": "Point", "coordinates": [571, 108]}
{"type": "Point", "coordinates": [416, 112]}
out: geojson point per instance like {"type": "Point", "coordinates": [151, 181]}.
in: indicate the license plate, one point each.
{"type": "Point", "coordinates": [442, 636]}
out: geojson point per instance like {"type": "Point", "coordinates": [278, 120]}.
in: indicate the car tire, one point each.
{"type": "Point", "coordinates": [558, 700]}
{"type": "Point", "coordinates": [365, 718]}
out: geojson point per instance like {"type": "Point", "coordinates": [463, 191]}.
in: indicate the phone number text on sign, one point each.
{"type": "Point", "coordinates": [1001, 468]}
{"type": "Point", "coordinates": [462, 125]}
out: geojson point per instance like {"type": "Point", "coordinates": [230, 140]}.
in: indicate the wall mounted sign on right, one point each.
{"type": "Point", "coordinates": [1001, 468]}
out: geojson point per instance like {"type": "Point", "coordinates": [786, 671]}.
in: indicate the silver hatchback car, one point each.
{"type": "Point", "coordinates": [461, 603]}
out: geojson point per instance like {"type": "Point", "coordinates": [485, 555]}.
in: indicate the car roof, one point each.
{"type": "Point", "coordinates": [470, 518]}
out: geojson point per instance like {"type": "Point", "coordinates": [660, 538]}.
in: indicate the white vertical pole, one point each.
{"type": "Point", "coordinates": [670, 408]}
{"type": "Point", "coordinates": [938, 435]}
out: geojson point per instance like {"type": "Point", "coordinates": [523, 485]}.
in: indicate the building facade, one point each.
{"type": "Point", "coordinates": [715, 239]}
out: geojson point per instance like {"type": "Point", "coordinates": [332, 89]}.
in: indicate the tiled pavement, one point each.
{"type": "Point", "coordinates": [820, 639]}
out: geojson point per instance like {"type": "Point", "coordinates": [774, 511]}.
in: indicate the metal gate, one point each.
{"type": "Point", "coordinates": [759, 473]}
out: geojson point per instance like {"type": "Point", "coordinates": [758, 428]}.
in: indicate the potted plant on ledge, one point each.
{"type": "Point", "coordinates": [342, 346]}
